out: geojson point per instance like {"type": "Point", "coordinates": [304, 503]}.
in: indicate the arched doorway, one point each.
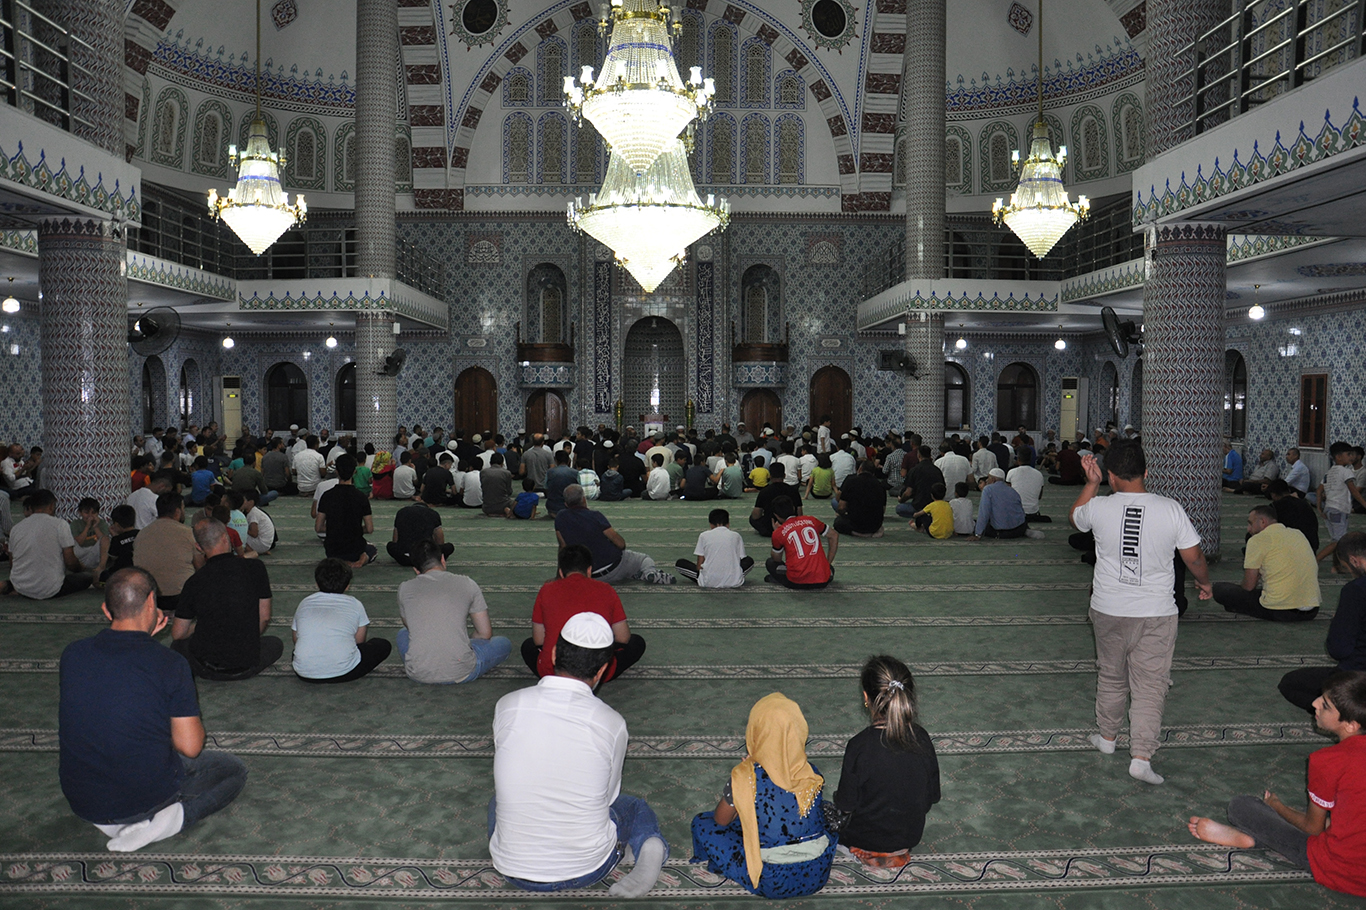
{"type": "Point", "coordinates": [189, 392]}
{"type": "Point", "coordinates": [761, 406]}
{"type": "Point", "coordinates": [1017, 397]}
{"type": "Point", "coordinates": [1235, 395]}
{"type": "Point", "coordinates": [476, 401]}
{"type": "Point", "coordinates": [832, 395]}
{"type": "Point", "coordinates": [346, 397]}
{"type": "Point", "coordinates": [546, 413]}
{"type": "Point", "coordinates": [957, 398]}
{"type": "Point", "coordinates": [286, 396]}
{"type": "Point", "coordinates": [1136, 396]}
{"type": "Point", "coordinates": [154, 409]}
{"type": "Point", "coordinates": [656, 370]}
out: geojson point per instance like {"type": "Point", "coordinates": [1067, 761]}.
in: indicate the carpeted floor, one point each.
{"type": "Point", "coordinates": [373, 794]}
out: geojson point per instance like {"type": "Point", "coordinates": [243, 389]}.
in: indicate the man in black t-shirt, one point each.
{"type": "Point", "coordinates": [862, 503]}
{"type": "Point", "coordinates": [437, 482]}
{"type": "Point", "coordinates": [223, 611]}
{"type": "Point", "coordinates": [761, 518]}
{"type": "Point", "coordinates": [695, 477]}
{"type": "Point", "coordinates": [344, 517]}
{"type": "Point", "coordinates": [919, 489]}
{"type": "Point", "coordinates": [413, 524]}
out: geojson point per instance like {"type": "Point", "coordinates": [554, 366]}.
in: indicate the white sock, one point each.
{"type": "Point", "coordinates": [110, 830]}
{"type": "Point", "coordinates": [1033, 534]}
{"type": "Point", "coordinates": [164, 824]}
{"type": "Point", "coordinates": [1140, 769]}
{"type": "Point", "coordinates": [646, 872]}
{"type": "Point", "coordinates": [1105, 745]}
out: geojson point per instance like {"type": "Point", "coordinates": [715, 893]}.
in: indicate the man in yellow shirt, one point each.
{"type": "Point", "coordinates": [1282, 560]}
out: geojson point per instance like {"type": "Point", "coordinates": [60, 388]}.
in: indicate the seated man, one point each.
{"type": "Point", "coordinates": [495, 483]}
{"type": "Point", "coordinates": [1284, 562]}
{"type": "Point", "coordinates": [798, 560]}
{"type": "Point", "coordinates": [344, 517]}
{"type": "Point", "coordinates": [861, 502]}
{"type": "Point", "coordinates": [721, 560]}
{"type": "Point", "coordinates": [558, 819]}
{"type": "Point", "coordinates": [434, 642]}
{"type": "Point", "coordinates": [612, 562]}
{"type": "Point", "coordinates": [167, 549]}
{"type": "Point", "coordinates": [223, 611]}
{"type": "Point", "coordinates": [132, 742]}
{"type": "Point", "coordinates": [1233, 468]}
{"type": "Point", "coordinates": [44, 553]}
{"type": "Point", "coordinates": [1000, 513]}
{"type": "Point", "coordinates": [762, 517]}
{"type": "Point", "coordinates": [1029, 483]}
{"type": "Point", "coordinates": [1297, 476]}
{"type": "Point", "coordinates": [696, 484]}
{"type": "Point", "coordinates": [557, 480]}
{"type": "Point", "coordinates": [330, 629]}
{"type": "Point", "coordinates": [1346, 642]}
{"type": "Point", "coordinates": [1294, 512]}
{"type": "Point", "coordinates": [412, 525]}
{"type": "Point", "coordinates": [657, 483]}
{"type": "Point", "coordinates": [1260, 476]}
{"type": "Point", "coordinates": [570, 593]}
{"type": "Point", "coordinates": [1069, 467]}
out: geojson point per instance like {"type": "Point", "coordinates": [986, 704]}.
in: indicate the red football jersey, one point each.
{"type": "Point", "coordinates": [800, 540]}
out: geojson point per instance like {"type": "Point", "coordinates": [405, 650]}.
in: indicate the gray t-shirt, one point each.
{"type": "Point", "coordinates": [496, 482]}
{"type": "Point", "coordinates": [36, 545]}
{"type": "Point", "coordinates": [435, 606]}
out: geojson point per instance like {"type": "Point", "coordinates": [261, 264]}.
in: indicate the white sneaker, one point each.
{"type": "Point", "coordinates": [166, 823]}
{"type": "Point", "coordinates": [1033, 534]}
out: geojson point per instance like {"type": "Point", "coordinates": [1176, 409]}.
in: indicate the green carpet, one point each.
{"type": "Point", "coordinates": [373, 794]}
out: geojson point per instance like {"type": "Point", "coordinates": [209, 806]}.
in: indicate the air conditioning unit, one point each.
{"type": "Point", "coordinates": [230, 406]}
{"type": "Point", "coordinates": [1075, 399]}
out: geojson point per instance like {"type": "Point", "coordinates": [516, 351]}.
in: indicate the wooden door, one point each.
{"type": "Point", "coordinates": [546, 413]}
{"type": "Point", "coordinates": [760, 406]}
{"type": "Point", "coordinates": [476, 401]}
{"type": "Point", "coordinates": [832, 395]}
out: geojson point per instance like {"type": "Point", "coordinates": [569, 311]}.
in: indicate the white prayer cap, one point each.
{"type": "Point", "coordinates": [294, 426]}
{"type": "Point", "coordinates": [587, 630]}
{"type": "Point", "coordinates": [477, 438]}
{"type": "Point", "coordinates": [607, 444]}
{"type": "Point", "coordinates": [997, 473]}
{"type": "Point", "coordinates": [452, 445]}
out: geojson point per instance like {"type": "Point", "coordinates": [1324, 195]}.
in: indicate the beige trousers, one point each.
{"type": "Point", "coordinates": [1133, 663]}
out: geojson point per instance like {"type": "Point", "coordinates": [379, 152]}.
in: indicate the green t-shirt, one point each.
{"type": "Point", "coordinates": [361, 479]}
{"type": "Point", "coordinates": [823, 482]}
{"type": "Point", "coordinates": [732, 481]}
{"type": "Point", "coordinates": [78, 525]}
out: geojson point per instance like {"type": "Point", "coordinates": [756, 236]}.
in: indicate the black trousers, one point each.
{"type": "Point", "coordinates": [688, 569]}
{"type": "Point", "coordinates": [625, 656]}
{"type": "Point", "coordinates": [1237, 600]}
{"type": "Point", "coordinates": [373, 652]}
{"type": "Point", "coordinates": [763, 525]}
{"type": "Point", "coordinates": [403, 558]}
{"type": "Point", "coordinates": [272, 648]}
{"type": "Point", "coordinates": [1006, 533]}
{"type": "Point", "coordinates": [1300, 687]}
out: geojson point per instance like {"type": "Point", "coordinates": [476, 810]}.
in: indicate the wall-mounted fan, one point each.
{"type": "Point", "coordinates": [898, 362]}
{"type": "Point", "coordinates": [394, 362]}
{"type": "Point", "coordinates": [1119, 334]}
{"type": "Point", "coordinates": [154, 331]}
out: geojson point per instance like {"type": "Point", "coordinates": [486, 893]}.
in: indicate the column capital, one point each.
{"type": "Point", "coordinates": [80, 226]}
{"type": "Point", "coordinates": [1186, 232]}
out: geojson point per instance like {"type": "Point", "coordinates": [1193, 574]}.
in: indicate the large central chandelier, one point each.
{"type": "Point", "coordinates": [639, 102]}
{"type": "Point", "coordinates": [1039, 211]}
{"type": "Point", "coordinates": [649, 219]}
{"type": "Point", "coordinates": [257, 209]}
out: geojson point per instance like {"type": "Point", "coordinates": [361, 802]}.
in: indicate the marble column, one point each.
{"type": "Point", "coordinates": [1183, 371]}
{"type": "Point", "coordinates": [922, 91]}
{"type": "Point", "coordinates": [376, 116]}
{"type": "Point", "coordinates": [82, 271]}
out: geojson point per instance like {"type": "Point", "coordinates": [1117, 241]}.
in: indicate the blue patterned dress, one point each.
{"type": "Point", "coordinates": [780, 823]}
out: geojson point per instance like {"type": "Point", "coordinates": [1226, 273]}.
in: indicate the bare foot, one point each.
{"type": "Point", "coordinates": [1211, 832]}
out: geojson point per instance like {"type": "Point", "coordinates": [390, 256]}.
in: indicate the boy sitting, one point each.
{"type": "Point", "coordinates": [527, 501]}
{"type": "Point", "coordinates": [330, 630]}
{"type": "Point", "coordinates": [936, 519]}
{"type": "Point", "coordinates": [123, 532]}
{"type": "Point", "coordinates": [721, 560]}
{"type": "Point", "coordinates": [962, 510]}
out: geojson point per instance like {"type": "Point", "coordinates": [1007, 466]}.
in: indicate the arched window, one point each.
{"type": "Point", "coordinates": [721, 149]}
{"type": "Point", "coordinates": [1235, 395]}
{"type": "Point", "coordinates": [586, 154]}
{"type": "Point", "coordinates": [953, 162]}
{"type": "Point", "coordinates": [545, 305]}
{"type": "Point", "coordinates": [1110, 388]}
{"type": "Point", "coordinates": [286, 396]}
{"type": "Point", "coordinates": [1001, 169]}
{"type": "Point", "coordinates": [755, 149]}
{"type": "Point", "coordinates": [723, 63]}
{"type": "Point", "coordinates": [1017, 397]}
{"type": "Point", "coordinates": [761, 304]}
{"type": "Point", "coordinates": [517, 88]}
{"type": "Point", "coordinates": [517, 142]}
{"type": "Point", "coordinates": [957, 397]}
{"type": "Point", "coordinates": [790, 151]}
{"type": "Point", "coordinates": [346, 397]}
{"type": "Point", "coordinates": [550, 61]}
{"type": "Point", "coordinates": [189, 378]}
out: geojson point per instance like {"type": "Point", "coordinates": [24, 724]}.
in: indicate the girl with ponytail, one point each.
{"type": "Point", "coordinates": [890, 776]}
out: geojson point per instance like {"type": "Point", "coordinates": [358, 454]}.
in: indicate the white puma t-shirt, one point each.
{"type": "Point", "coordinates": [1137, 535]}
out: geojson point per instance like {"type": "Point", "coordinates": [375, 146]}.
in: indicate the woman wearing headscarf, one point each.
{"type": "Point", "coordinates": [382, 476]}
{"type": "Point", "coordinates": [768, 832]}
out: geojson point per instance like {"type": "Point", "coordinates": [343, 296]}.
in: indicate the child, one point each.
{"type": "Point", "coordinates": [613, 486]}
{"type": "Point", "coordinates": [821, 483]}
{"type": "Point", "coordinates": [123, 530]}
{"type": "Point", "coordinates": [330, 628]}
{"type": "Point", "coordinates": [936, 519]}
{"type": "Point", "coordinates": [721, 560]}
{"type": "Point", "coordinates": [90, 533]}
{"type": "Point", "coordinates": [890, 777]}
{"type": "Point", "coordinates": [758, 479]}
{"type": "Point", "coordinates": [527, 501]}
{"type": "Point", "coordinates": [657, 483]}
{"type": "Point", "coordinates": [962, 510]}
{"type": "Point", "coordinates": [1336, 493]}
{"type": "Point", "coordinates": [1333, 853]}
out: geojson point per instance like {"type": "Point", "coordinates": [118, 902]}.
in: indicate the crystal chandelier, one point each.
{"type": "Point", "coordinates": [639, 102]}
{"type": "Point", "coordinates": [649, 219]}
{"type": "Point", "coordinates": [256, 209]}
{"type": "Point", "coordinates": [1040, 212]}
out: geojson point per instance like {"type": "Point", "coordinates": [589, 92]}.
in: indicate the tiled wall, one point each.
{"type": "Point", "coordinates": [21, 399]}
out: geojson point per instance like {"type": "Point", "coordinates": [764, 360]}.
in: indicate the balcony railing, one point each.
{"type": "Point", "coordinates": [1260, 51]}
{"type": "Point", "coordinates": [37, 69]}
{"type": "Point", "coordinates": [177, 228]}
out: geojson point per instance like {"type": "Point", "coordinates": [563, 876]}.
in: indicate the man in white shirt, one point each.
{"type": "Point", "coordinates": [983, 459]}
{"type": "Point", "coordinates": [721, 560]}
{"type": "Point", "coordinates": [144, 499]}
{"type": "Point", "coordinates": [1267, 470]}
{"type": "Point", "coordinates": [657, 482]}
{"type": "Point", "coordinates": [842, 461]}
{"type": "Point", "coordinates": [558, 814]}
{"type": "Point", "coordinates": [322, 487]}
{"type": "Point", "coordinates": [1133, 601]}
{"type": "Point", "coordinates": [405, 477]}
{"type": "Point", "coordinates": [16, 478]}
{"type": "Point", "coordinates": [309, 467]}
{"type": "Point", "coordinates": [1297, 475]}
{"type": "Point", "coordinates": [792, 465]}
{"type": "Point", "coordinates": [44, 553]}
{"type": "Point", "coordinates": [955, 468]}
{"type": "Point", "coordinates": [1028, 482]}
{"type": "Point", "coordinates": [260, 534]}
{"type": "Point", "coordinates": [824, 444]}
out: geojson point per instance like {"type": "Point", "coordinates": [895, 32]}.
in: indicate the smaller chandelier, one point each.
{"type": "Point", "coordinates": [639, 102]}
{"type": "Point", "coordinates": [649, 219]}
{"type": "Point", "coordinates": [257, 209]}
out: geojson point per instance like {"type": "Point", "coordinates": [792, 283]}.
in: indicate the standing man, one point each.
{"type": "Point", "coordinates": [1133, 605]}
{"type": "Point", "coordinates": [537, 460]}
{"type": "Point", "coordinates": [558, 819]}
{"type": "Point", "coordinates": [132, 759]}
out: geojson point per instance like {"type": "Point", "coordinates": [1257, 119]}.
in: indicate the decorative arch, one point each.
{"type": "Point", "coordinates": [790, 154]}
{"type": "Point", "coordinates": [997, 140]}
{"type": "Point", "coordinates": [552, 149]}
{"type": "Point", "coordinates": [587, 47]}
{"type": "Point", "coordinates": [690, 50]}
{"type": "Point", "coordinates": [655, 363]}
{"type": "Point", "coordinates": [476, 401]}
{"type": "Point", "coordinates": [212, 135]}
{"type": "Point", "coordinates": [962, 168]}
{"type": "Point", "coordinates": [518, 88]}
{"type": "Point", "coordinates": [1017, 396]}
{"type": "Point", "coordinates": [1127, 121]}
{"type": "Point", "coordinates": [518, 139]}
{"type": "Point", "coordinates": [1235, 395]}
{"type": "Point", "coordinates": [721, 151]}
{"type": "Point", "coordinates": [168, 127]}
{"type": "Point", "coordinates": [957, 397]}
{"type": "Point", "coordinates": [721, 61]}
{"type": "Point", "coordinates": [306, 148]}
{"type": "Point", "coordinates": [144, 117]}
{"type": "Point", "coordinates": [755, 63]}
{"type": "Point", "coordinates": [754, 149]}
{"type": "Point", "coordinates": [761, 305]}
{"type": "Point", "coordinates": [832, 395]}
{"type": "Point", "coordinates": [1090, 156]}
{"type": "Point", "coordinates": [588, 153]}
{"type": "Point", "coordinates": [286, 398]}
{"type": "Point", "coordinates": [789, 91]}
{"type": "Point", "coordinates": [344, 159]}
{"type": "Point", "coordinates": [546, 310]}
{"type": "Point", "coordinates": [154, 410]}
{"type": "Point", "coordinates": [552, 59]}
{"type": "Point", "coordinates": [403, 161]}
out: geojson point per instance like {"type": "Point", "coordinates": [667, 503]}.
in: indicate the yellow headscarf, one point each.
{"type": "Point", "coordinates": [381, 459]}
{"type": "Point", "coordinates": [776, 739]}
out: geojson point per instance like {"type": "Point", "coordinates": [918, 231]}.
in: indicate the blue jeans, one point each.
{"type": "Point", "coordinates": [488, 652]}
{"type": "Point", "coordinates": [211, 781]}
{"type": "Point", "coordinates": [268, 497]}
{"type": "Point", "coordinates": [636, 823]}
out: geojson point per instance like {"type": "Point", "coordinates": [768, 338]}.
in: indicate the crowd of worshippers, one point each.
{"type": "Point", "coordinates": [772, 831]}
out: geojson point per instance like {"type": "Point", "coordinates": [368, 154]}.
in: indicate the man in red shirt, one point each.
{"type": "Point", "coordinates": [574, 591]}
{"type": "Point", "coordinates": [798, 561]}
